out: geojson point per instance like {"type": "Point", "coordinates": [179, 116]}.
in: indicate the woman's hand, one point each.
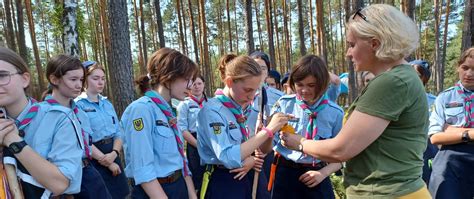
{"type": "Point", "coordinates": [249, 163]}
{"type": "Point", "coordinates": [8, 132]}
{"type": "Point", "coordinates": [291, 141]}
{"type": "Point", "coordinates": [277, 121]}
{"type": "Point", "coordinates": [312, 178]}
{"type": "Point", "coordinates": [108, 159]}
{"type": "Point", "coordinates": [115, 169]}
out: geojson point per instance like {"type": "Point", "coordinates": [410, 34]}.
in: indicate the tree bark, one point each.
{"type": "Point", "coordinates": [259, 28]}
{"type": "Point", "coordinates": [311, 29]}
{"type": "Point", "coordinates": [468, 26]}
{"type": "Point", "coordinates": [31, 26]}
{"type": "Point", "coordinates": [9, 33]}
{"type": "Point", "coordinates": [159, 22]}
{"type": "Point", "coordinates": [70, 34]}
{"type": "Point", "coordinates": [248, 26]}
{"type": "Point", "coordinates": [139, 38]}
{"type": "Point", "coordinates": [144, 40]}
{"type": "Point", "coordinates": [271, 44]}
{"type": "Point", "coordinates": [120, 69]}
{"type": "Point", "coordinates": [193, 32]}
{"type": "Point", "coordinates": [228, 24]}
{"type": "Point", "coordinates": [437, 64]}
{"type": "Point", "coordinates": [180, 26]}
{"type": "Point", "coordinates": [301, 27]}
{"type": "Point", "coordinates": [206, 65]}
{"type": "Point", "coordinates": [287, 37]}
{"type": "Point", "coordinates": [21, 31]}
{"type": "Point", "coordinates": [445, 41]}
{"type": "Point", "coordinates": [322, 32]}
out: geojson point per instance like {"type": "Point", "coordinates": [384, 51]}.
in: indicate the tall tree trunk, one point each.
{"type": "Point", "coordinates": [287, 37]}
{"type": "Point", "coordinates": [159, 22]}
{"type": "Point", "coordinates": [410, 8]}
{"type": "Point", "coordinates": [153, 26]}
{"type": "Point", "coordinates": [445, 41]}
{"type": "Point", "coordinates": [193, 32]}
{"type": "Point", "coordinates": [183, 22]}
{"type": "Point", "coordinates": [468, 26]}
{"type": "Point", "coordinates": [205, 46]}
{"type": "Point", "coordinates": [31, 27]}
{"type": "Point", "coordinates": [275, 20]}
{"type": "Point", "coordinates": [236, 29]}
{"type": "Point", "coordinates": [139, 38]}
{"type": "Point", "coordinates": [44, 30]}
{"type": "Point", "coordinates": [437, 64]}
{"type": "Point", "coordinates": [9, 32]}
{"type": "Point", "coordinates": [144, 40]}
{"type": "Point", "coordinates": [353, 90]}
{"type": "Point", "coordinates": [92, 26]}
{"type": "Point", "coordinates": [311, 29]}
{"type": "Point", "coordinates": [180, 26]}
{"type": "Point", "coordinates": [322, 32]}
{"type": "Point", "coordinates": [70, 34]}
{"type": "Point", "coordinates": [220, 28]}
{"type": "Point", "coordinates": [248, 26]}
{"type": "Point", "coordinates": [271, 43]}
{"type": "Point", "coordinates": [120, 68]}
{"type": "Point", "coordinates": [301, 27]}
{"type": "Point", "coordinates": [259, 28]}
{"type": "Point", "coordinates": [227, 5]}
{"type": "Point", "coordinates": [21, 31]}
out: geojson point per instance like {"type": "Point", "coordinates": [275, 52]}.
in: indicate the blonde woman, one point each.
{"type": "Point", "coordinates": [384, 136]}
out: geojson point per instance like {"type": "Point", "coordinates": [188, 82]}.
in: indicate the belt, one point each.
{"type": "Point", "coordinates": [104, 141]}
{"type": "Point", "coordinates": [288, 163]}
{"type": "Point", "coordinates": [85, 162]}
{"type": "Point", "coordinates": [171, 178]}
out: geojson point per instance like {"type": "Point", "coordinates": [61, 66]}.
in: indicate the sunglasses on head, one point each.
{"type": "Point", "coordinates": [359, 13]}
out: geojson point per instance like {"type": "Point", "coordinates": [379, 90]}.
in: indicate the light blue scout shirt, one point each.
{"type": "Point", "coordinates": [187, 115]}
{"type": "Point", "coordinates": [272, 95]}
{"type": "Point", "coordinates": [150, 146]}
{"type": "Point", "coordinates": [448, 109]}
{"type": "Point", "coordinates": [102, 116]}
{"type": "Point", "coordinates": [333, 92]}
{"type": "Point", "coordinates": [431, 99]}
{"type": "Point", "coordinates": [219, 135]}
{"type": "Point", "coordinates": [329, 123]}
{"type": "Point", "coordinates": [55, 134]}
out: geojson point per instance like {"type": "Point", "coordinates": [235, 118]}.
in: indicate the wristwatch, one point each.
{"type": "Point", "coordinates": [16, 147]}
{"type": "Point", "coordinates": [465, 136]}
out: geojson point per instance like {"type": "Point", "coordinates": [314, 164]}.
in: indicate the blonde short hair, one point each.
{"type": "Point", "coordinates": [397, 33]}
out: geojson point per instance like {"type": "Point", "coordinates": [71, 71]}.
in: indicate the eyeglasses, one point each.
{"type": "Point", "coordinates": [6, 77]}
{"type": "Point", "coordinates": [358, 13]}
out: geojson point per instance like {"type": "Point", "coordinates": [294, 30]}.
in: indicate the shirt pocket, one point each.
{"type": "Point", "coordinates": [166, 141]}
{"type": "Point", "coordinates": [193, 113]}
{"type": "Point", "coordinates": [96, 121]}
{"type": "Point", "coordinates": [235, 135]}
{"type": "Point", "coordinates": [455, 115]}
{"type": "Point", "coordinates": [324, 133]}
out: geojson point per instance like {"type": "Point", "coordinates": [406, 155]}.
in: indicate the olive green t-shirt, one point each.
{"type": "Point", "coordinates": [391, 166]}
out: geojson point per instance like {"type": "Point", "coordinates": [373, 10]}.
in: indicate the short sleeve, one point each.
{"type": "Point", "coordinates": [437, 117]}
{"type": "Point", "coordinates": [385, 97]}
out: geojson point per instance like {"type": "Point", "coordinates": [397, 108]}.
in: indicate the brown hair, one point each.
{"type": "Point", "coordinates": [14, 59]}
{"type": "Point", "coordinates": [58, 66]}
{"type": "Point", "coordinates": [423, 74]}
{"type": "Point", "coordinates": [469, 53]}
{"type": "Point", "coordinates": [164, 66]}
{"type": "Point", "coordinates": [90, 69]}
{"type": "Point", "coordinates": [238, 67]}
{"type": "Point", "coordinates": [310, 65]}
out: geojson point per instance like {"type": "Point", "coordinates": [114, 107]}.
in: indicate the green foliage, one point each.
{"type": "Point", "coordinates": [337, 184]}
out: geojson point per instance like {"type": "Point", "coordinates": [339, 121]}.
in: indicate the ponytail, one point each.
{"type": "Point", "coordinates": [226, 59]}
{"type": "Point", "coordinates": [143, 83]}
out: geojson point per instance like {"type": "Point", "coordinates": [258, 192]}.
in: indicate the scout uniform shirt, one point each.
{"type": "Point", "coordinates": [103, 118]}
{"type": "Point", "coordinates": [219, 135]}
{"type": "Point", "coordinates": [150, 146]}
{"type": "Point", "coordinates": [328, 122]}
{"type": "Point", "coordinates": [55, 134]}
{"type": "Point", "coordinates": [187, 115]}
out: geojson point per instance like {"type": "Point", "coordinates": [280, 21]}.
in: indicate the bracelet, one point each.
{"type": "Point", "coordinates": [268, 131]}
{"type": "Point", "coordinates": [117, 152]}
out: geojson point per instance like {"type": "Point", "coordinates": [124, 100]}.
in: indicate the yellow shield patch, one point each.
{"type": "Point", "coordinates": [217, 129]}
{"type": "Point", "coordinates": [138, 124]}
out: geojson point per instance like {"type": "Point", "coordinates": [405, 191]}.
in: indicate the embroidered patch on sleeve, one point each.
{"type": "Point", "coordinates": [138, 124]}
{"type": "Point", "coordinates": [216, 126]}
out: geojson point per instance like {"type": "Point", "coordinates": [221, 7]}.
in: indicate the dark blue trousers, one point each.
{"type": "Point", "coordinates": [194, 162]}
{"type": "Point", "coordinates": [222, 185]}
{"type": "Point", "coordinates": [453, 172]}
{"type": "Point", "coordinates": [287, 185]}
{"type": "Point", "coordinates": [428, 155]}
{"type": "Point", "coordinates": [117, 185]}
{"type": "Point", "coordinates": [92, 185]}
{"type": "Point", "coordinates": [262, 192]}
{"type": "Point", "coordinates": [174, 190]}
